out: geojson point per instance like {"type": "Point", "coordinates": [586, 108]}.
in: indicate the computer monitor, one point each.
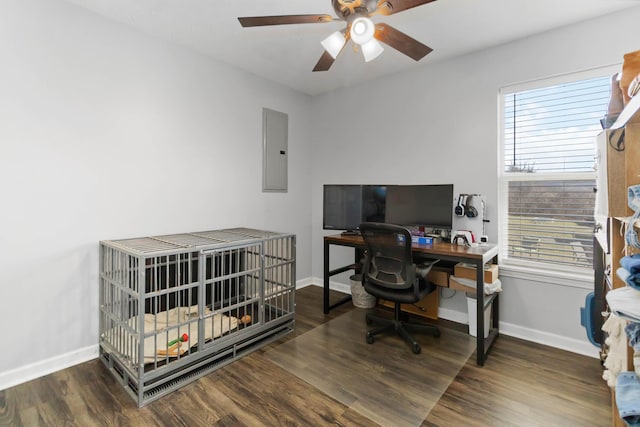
{"type": "Point", "coordinates": [420, 205]}
{"type": "Point", "coordinates": [342, 207]}
{"type": "Point", "coordinates": [374, 203]}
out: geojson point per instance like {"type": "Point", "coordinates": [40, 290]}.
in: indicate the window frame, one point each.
{"type": "Point", "coordinates": [565, 274]}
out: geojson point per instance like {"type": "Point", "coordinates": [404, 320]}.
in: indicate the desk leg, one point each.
{"type": "Point", "coordinates": [484, 344]}
{"type": "Point", "coordinates": [480, 354]}
{"type": "Point", "coordinates": [326, 278]}
{"type": "Point", "coordinates": [495, 314]}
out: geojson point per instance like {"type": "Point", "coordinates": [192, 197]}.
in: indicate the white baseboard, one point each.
{"type": "Point", "coordinates": [303, 283]}
{"type": "Point", "coordinates": [528, 334]}
{"type": "Point", "coordinates": [48, 366]}
{"type": "Point", "coordinates": [552, 340]}
{"type": "Point", "coordinates": [335, 286]}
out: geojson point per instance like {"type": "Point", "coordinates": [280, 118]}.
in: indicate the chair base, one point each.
{"type": "Point", "coordinates": [399, 327]}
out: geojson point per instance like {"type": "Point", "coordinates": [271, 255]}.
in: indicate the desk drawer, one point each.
{"type": "Point", "coordinates": [427, 307]}
{"type": "Point", "coordinates": [439, 276]}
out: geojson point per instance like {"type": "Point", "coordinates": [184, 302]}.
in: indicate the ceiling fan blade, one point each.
{"type": "Point", "coordinates": [325, 62]}
{"type": "Point", "coordinates": [259, 21]}
{"type": "Point", "coordinates": [401, 42]}
{"type": "Point", "coordinates": [389, 7]}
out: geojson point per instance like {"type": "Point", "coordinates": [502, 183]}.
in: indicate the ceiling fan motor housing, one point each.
{"type": "Point", "coordinates": [353, 8]}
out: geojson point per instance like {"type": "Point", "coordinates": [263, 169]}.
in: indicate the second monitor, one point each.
{"type": "Point", "coordinates": [420, 205]}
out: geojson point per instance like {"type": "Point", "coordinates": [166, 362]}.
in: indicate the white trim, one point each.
{"type": "Point", "coordinates": [45, 367]}
{"type": "Point", "coordinates": [334, 286]}
{"type": "Point", "coordinates": [552, 340]}
{"type": "Point", "coordinates": [340, 287]}
{"type": "Point", "coordinates": [545, 338]}
{"type": "Point", "coordinates": [303, 283]}
{"type": "Point", "coordinates": [552, 277]}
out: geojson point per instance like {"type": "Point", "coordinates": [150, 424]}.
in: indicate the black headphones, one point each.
{"type": "Point", "coordinates": [469, 210]}
{"type": "Point", "coordinates": [459, 210]}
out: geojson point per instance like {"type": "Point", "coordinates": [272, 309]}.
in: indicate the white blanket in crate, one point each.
{"type": "Point", "coordinates": [164, 324]}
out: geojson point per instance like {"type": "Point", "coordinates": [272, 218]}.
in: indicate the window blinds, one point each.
{"type": "Point", "coordinates": [552, 129]}
{"type": "Point", "coordinates": [547, 181]}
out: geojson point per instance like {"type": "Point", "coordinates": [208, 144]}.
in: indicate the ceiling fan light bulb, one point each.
{"type": "Point", "coordinates": [371, 50]}
{"type": "Point", "coordinates": [334, 43]}
{"type": "Point", "coordinates": [362, 30]}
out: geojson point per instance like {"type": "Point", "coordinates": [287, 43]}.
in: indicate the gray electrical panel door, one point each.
{"type": "Point", "coordinates": [275, 128]}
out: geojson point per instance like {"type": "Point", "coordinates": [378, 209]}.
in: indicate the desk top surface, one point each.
{"type": "Point", "coordinates": [484, 252]}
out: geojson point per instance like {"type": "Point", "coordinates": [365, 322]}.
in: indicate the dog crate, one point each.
{"type": "Point", "coordinates": [174, 308]}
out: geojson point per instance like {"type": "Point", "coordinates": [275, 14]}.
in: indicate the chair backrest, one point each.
{"type": "Point", "coordinates": [388, 261]}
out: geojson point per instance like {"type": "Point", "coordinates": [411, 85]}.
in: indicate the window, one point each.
{"type": "Point", "coordinates": [547, 177]}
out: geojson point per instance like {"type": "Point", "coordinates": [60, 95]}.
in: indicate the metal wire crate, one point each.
{"type": "Point", "coordinates": [176, 307]}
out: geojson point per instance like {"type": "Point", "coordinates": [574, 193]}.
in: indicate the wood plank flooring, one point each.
{"type": "Point", "coordinates": [521, 384]}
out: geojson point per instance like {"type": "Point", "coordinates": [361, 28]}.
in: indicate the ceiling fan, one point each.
{"type": "Point", "coordinates": [360, 28]}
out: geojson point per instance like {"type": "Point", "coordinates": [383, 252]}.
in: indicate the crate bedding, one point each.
{"type": "Point", "coordinates": [168, 326]}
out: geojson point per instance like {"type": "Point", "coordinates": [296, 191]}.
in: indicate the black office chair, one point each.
{"type": "Point", "coordinates": [390, 273]}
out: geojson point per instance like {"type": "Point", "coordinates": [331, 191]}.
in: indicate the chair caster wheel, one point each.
{"type": "Point", "coordinates": [416, 348]}
{"type": "Point", "coordinates": [369, 339]}
{"type": "Point", "coordinates": [436, 333]}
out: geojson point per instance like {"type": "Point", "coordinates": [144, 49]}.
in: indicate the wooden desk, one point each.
{"type": "Point", "coordinates": [477, 256]}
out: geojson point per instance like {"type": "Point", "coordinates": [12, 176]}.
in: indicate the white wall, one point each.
{"type": "Point", "coordinates": [106, 133]}
{"type": "Point", "coordinates": [439, 124]}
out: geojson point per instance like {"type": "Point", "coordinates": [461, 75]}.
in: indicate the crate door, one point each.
{"type": "Point", "coordinates": [230, 290]}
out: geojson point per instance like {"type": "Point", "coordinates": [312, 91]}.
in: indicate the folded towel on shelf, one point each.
{"type": "Point", "coordinates": [632, 280]}
{"type": "Point", "coordinates": [625, 303]}
{"type": "Point", "coordinates": [628, 398]}
{"type": "Point", "coordinates": [633, 335]}
{"type": "Point", "coordinates": [630, 236]}
{"type": "Point", "coordinates": [631, 263]}
{"type": "Point", "coordinates": [633, 197]}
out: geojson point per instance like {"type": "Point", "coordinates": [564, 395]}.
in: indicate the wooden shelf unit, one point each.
{"type": "Point", "coordinates": [624, 172]}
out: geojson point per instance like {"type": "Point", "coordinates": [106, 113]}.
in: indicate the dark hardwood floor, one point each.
{"type": "Point", "coordinates": [521, 384]}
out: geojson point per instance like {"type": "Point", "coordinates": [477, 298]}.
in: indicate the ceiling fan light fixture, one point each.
{"type": "Point", "coordinates": [362, 30]}
{"type": "Point", "coordinates": [371, 50]}
{"type": "Point", "coordinates": [334, 43]}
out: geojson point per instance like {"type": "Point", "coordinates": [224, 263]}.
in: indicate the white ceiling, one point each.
{"type": "Point", "coordinates": [288, 53]}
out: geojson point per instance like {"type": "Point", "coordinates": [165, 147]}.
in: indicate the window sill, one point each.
{"type": "Point", "coordinates": [570, 279]}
